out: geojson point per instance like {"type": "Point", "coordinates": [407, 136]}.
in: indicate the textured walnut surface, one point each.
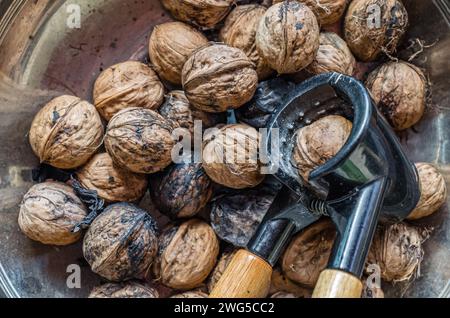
{"type": "Point", "coordinates": [319, 142]}
{"type": "Point", "coordinates": [170, 45]}
{"type": "Point", "coordinates": [48, 213]}
{"type": "Point", "coordinates": [308, 253]}
{"type": "Point", "coordinates": [191, 294]}
{"type": "Point", "coordinates": [239, 31]}
{"type": "Point", "coordinates": [204, 13]}
{"type": "Point", "coordinates": [66, 132]}
{"type": "Point", "coordinates": [130, 289]}
{"type": "Point", "coordinates": [112, 183]}
{"type": "Point", "coordinates": [333, 56]}
{"type": "Point", "coordinates": [399, 89]}
{"type": "Point", "coordinates": [280, 283]}
{"type": "Point", "coordinates": [288, 36]}
{"type": "Point", "coordinates": [221, 266]}
{"type": "Point", "coordinates": [397, 250]}
{"type": "Point", "coordinates": [433, 191]}
{"type": "Point", "coordinates": [368, 40]}
{"type": "Point", "coordinates": [127, 84]}
{"type": "Point", "coordinates": [140, 140]}
{"type": "Point", "coordinates": [230, 157]}
{"type": "Point", "coordinates": [219, 77]}
{"type": "Point", "coordinates": [187, 255]}
{"type": "Point", "coordinates": [121, 243]}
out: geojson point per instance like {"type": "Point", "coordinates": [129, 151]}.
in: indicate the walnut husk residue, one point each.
{"type": "Point", "coordinates": [66, 132]}
{"type": "Point", "coordinates": [182, 190]}
{"type": "Point", "coordinates": [130, 289]}
{"type": "Point", "coordinates": [218, 77]}
{"type": "Point", "coordinates": [288, 37]}
{"type": "Point", "coordinates": [127, 84]}
{"type": "Point", "coordinates": [368, 41]}
{"type": "Point", "coordinates": [203, 13]}
{"type": "Point", "coordinates": [433, 191]}
{"type": "Point", "coordinates": [140, 140]}
{"type": "Point", "coordinates": [170, 45]}
{"type": "Point", "coordinates": [121, 243]}
{"type": "Point", "coordinates": [319, 142]}
{"type": "Point", "coordinates": [230, 157]}
{"type": "Point", "coordinates": [308, 253]}
{"type": "Point", "coordinates": [48, 213]}
{"type": "Point", "coordinates": [187, 255]}
{"type": "Point", "coordinates": [333, 56]}
{"type": "Point", "coordinates": [112, 183]}
{"type": "Point", "coordinates": [397, 250]}
{"type": "Point", "coordinates": [399, 89]}
{"type": "Point", "coordinates": [239, 31]}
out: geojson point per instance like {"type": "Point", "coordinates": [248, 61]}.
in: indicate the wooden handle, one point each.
{"type": "Point", "coordinates": [247, 276]}
{"type": "Point", "coordinates": [337, 284]}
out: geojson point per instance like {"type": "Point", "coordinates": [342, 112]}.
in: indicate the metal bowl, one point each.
{"type": "Point", "coordinates": [43, 53]}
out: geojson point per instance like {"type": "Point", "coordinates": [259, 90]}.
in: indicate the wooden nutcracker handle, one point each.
{"type": "Point", "coordinates": [334, 283]}
{"type": "Point", "coordinates": [247, 276]}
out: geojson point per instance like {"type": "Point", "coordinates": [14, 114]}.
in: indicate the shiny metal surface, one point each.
{"type": "Point", "coordinates": [41, 57]}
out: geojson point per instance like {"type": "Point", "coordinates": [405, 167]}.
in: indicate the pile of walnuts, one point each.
{"type": "Point", "coordinates": [120, 146]}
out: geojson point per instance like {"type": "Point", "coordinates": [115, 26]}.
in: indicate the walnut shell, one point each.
{"type": "Point", "coordinates": [218, 77]}
{"type": "Point", "coordinates": [204, 13]}
{"type": "Point", "coordinates": [308, 253]}
{"type": "Point", "coordinates": [127, 84]}
{"type": "Point", "coordinates": [66, 132]}
{"type": "Point", "coordinates": [221, 266]}
{"type": "Point", "coordinates": [397, 250]}
{"type": "Point", "coordinates": [319, 142]}
{"type": "Point", "coordinates": [191, 294]}
{"type": "Point", "coordinates": [433, 192]}
{"type": "Point", "coordinates": [112, 183]}
{"type": "Point", "coordinates": [121, 243]}
{"type": "Point", "coordinates": [280, 283]}
{"type": "Point", "coordinates": [326, 11]}
{"type": "Point", "coordinates": [182, 190]}
{"type": "Point", "coordinates": [368, 36]}
{"type": "Point", "coordinates": [239, 31]}
{"type": "Point", "coordinates": [399, 89]}
{"type": "Point", "coordinates": [177, 108]}
{"type": "Point", "coordinates": [48, 213]}
{"type": "Point", "coordinates": [140, 140]}
{"type": "Point", "coordinates": [170, 45]}
{"type": "Point", "coordinates": [130, 289]}
{"type": "Point", "coordinates": [288, 37]}
{"type": "Point", "coordinates": [333, 56]}
{"type": "Point", "coordinates": [187, 255]}
{"type": "Point", "coordinates": [230, 157]}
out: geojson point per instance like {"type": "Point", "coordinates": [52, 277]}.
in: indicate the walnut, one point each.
{"type": "Point", "coordinates": [326, 11]}
{"type": "Point", "coordinates": [333, 56]}
{"type": "Point", "coordinates": [433, 191]}
{"type": "Point", "coordinates": [280, 283]}
{"type": "Point", "coordinates": [186, 255]}
{"type": "Point", "coordinates": [177, 108]}
{"type": "Point", "coordinates": [366, 35]}
{"type": "Point", "coordinates": [121, 243]}
{"type": "Point", "coordinates": [230, 157]}
{"type": "Point", "coordinates": [218, 77]}
{"type": "Point", "coordinates": [66, 132]}
{"type": "Point", "coordinates": [204, 13]}
{"type": "Point", "coordinates": [170, 45]}
{"type": "Point", "coordinates": [127, 84]}
{"type": "Point", "coordinates": [48, 213]}
{"type": "Point", "coordinates": [319, 142]}
{"type": "Point", "coordinates": [182, 190]}
{"type": "Point", "coordinates": [140, 140]}
{"type": "Point", "coordinates": [221, 266]}
{"type": "Point", "coordinates": [112, 183]}
{"type": "Point", "coordinates": [397, 250]}
{"type": "Point", "coordinates": [399, 89]}
{"type": "Point", "coordinates": [191, 294]}
{"type": "Point", "coordinates": [308, 253]}
{"type": "Point", "coordinates": [240, 31]}
{"type": "Point", "coordinates": [288, 37]}
{"type": "Point", "coordinates": [130, 289]}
